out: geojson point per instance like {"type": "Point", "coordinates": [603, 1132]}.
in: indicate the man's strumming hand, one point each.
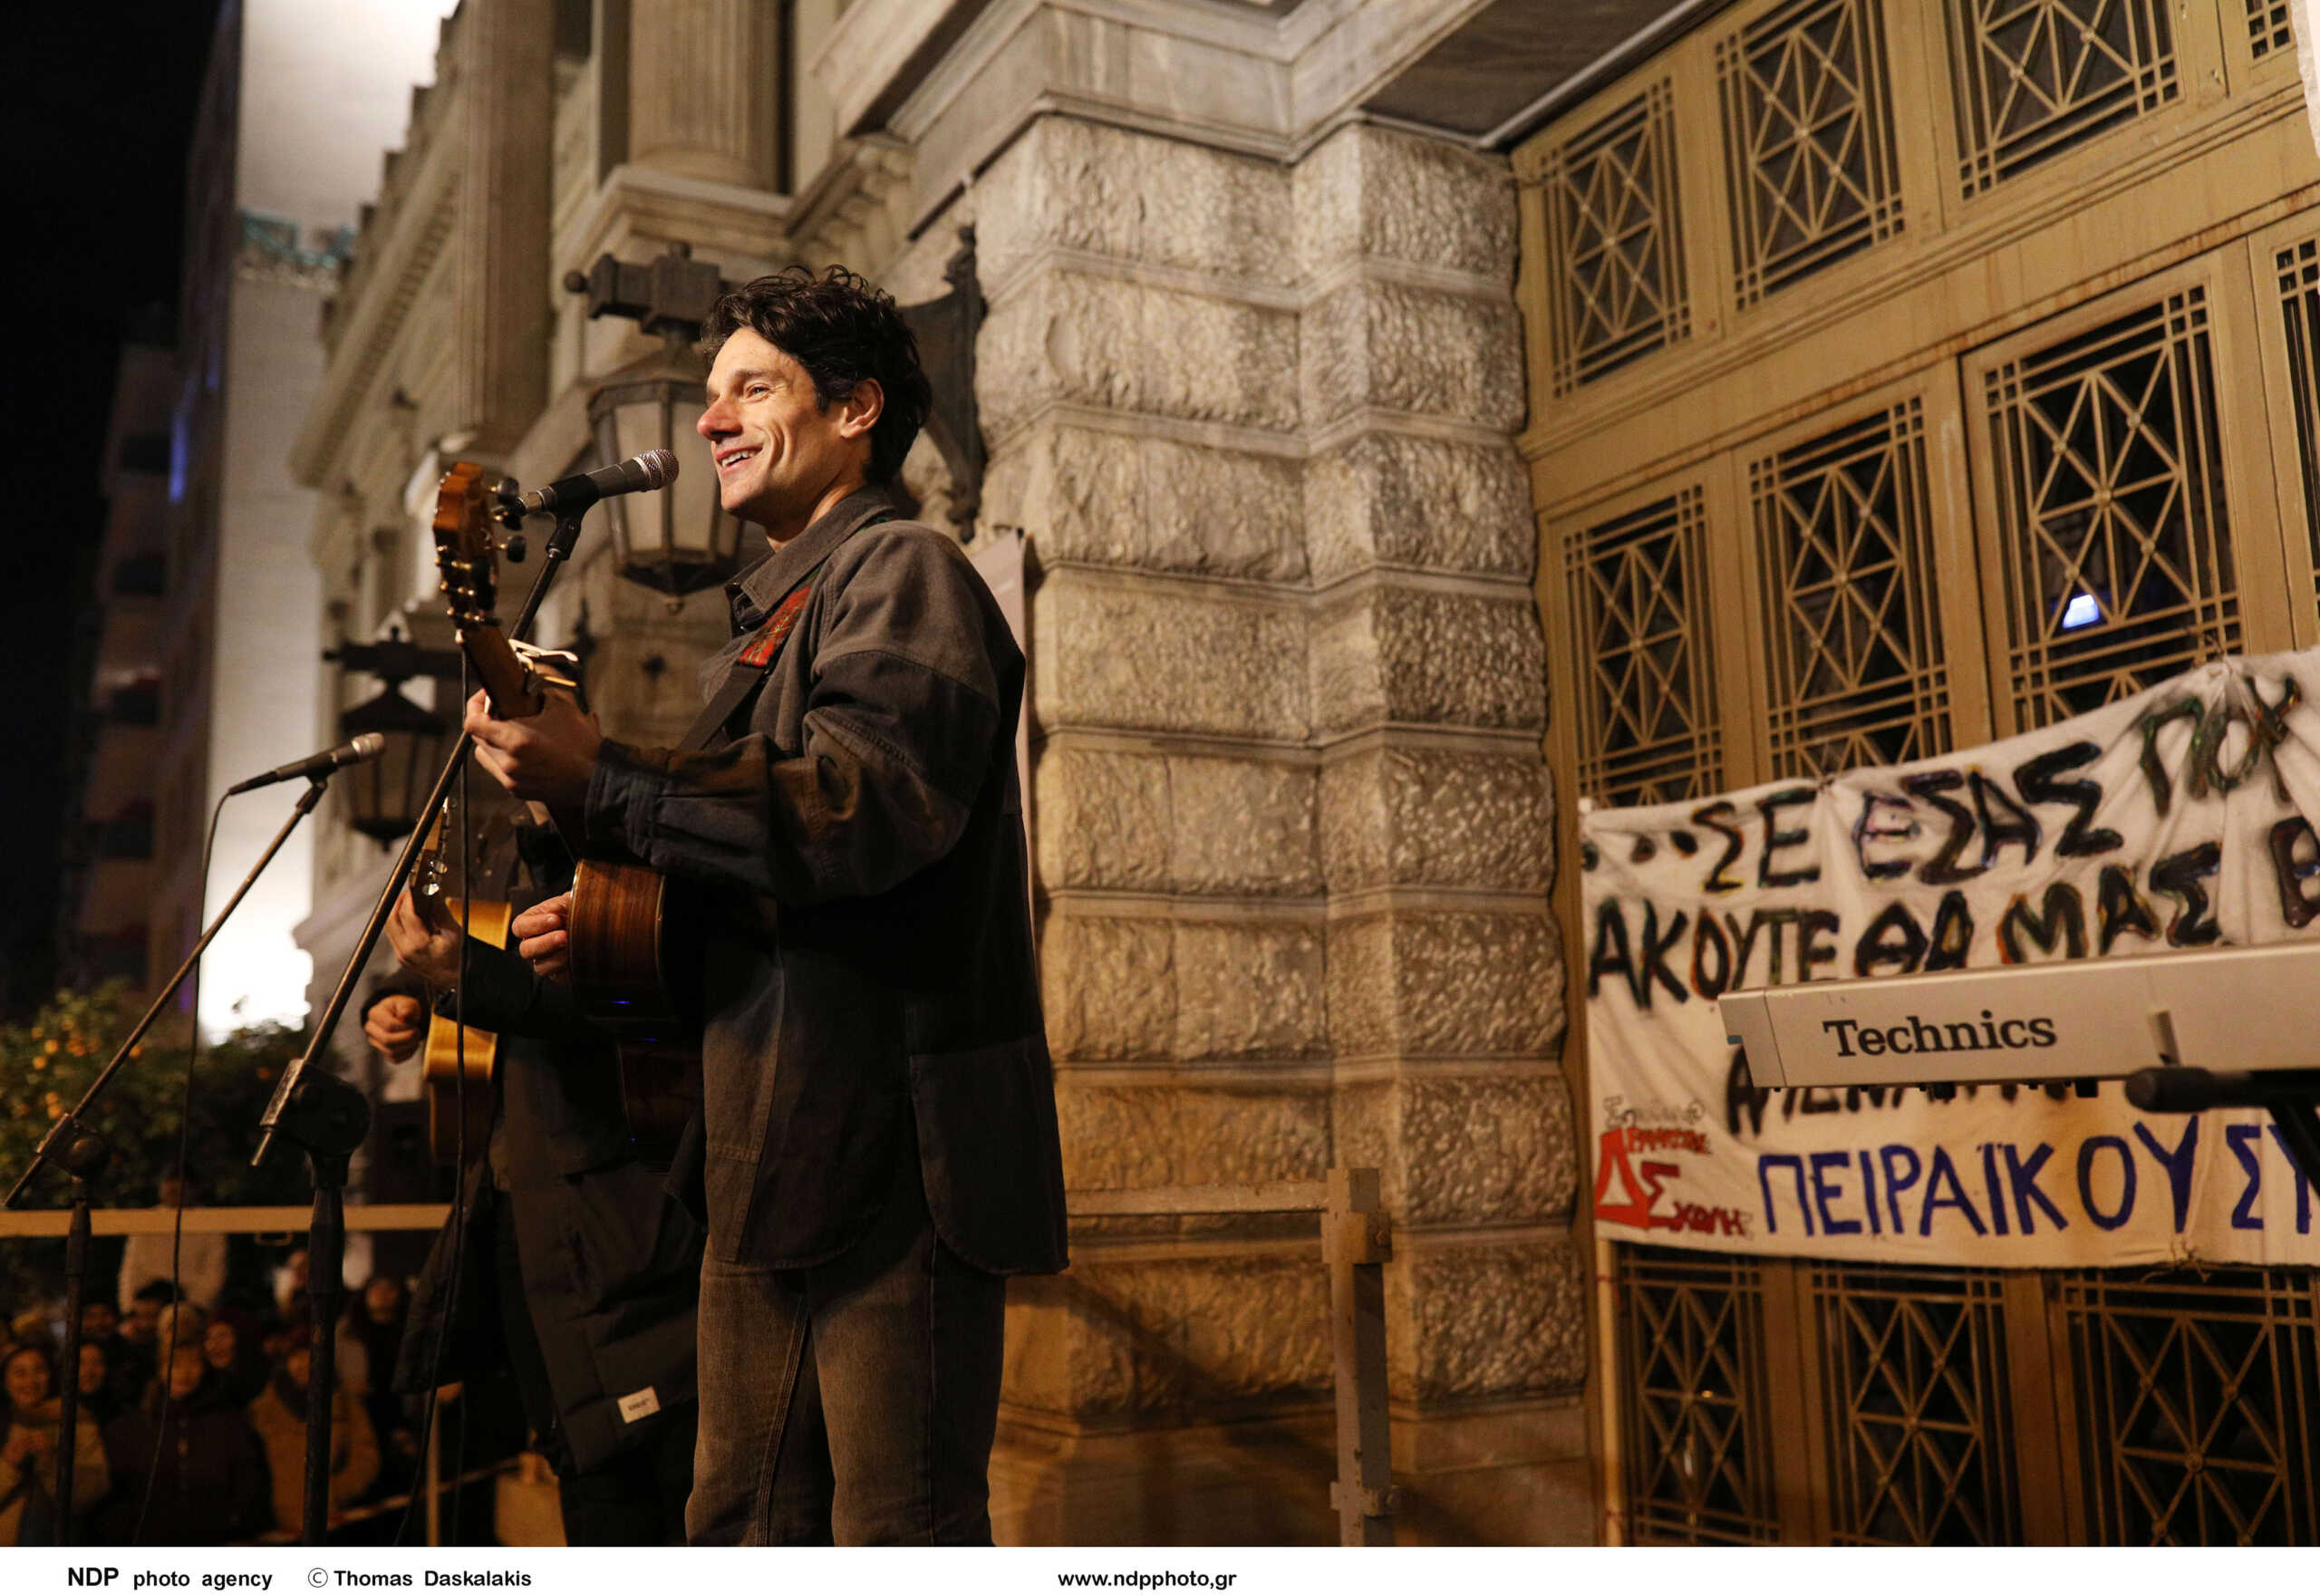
{"type": "Point", "coordinates": [392, 1025]}
{"type": "Point", "coordinates": [542, 937]}
{"type": "Point", "coordinates": [547, 758]}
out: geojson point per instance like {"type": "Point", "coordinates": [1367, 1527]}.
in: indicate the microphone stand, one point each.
{"type": "Point", "coordinates": [327, 1119]}
{"type": "Point", "coordinates": [81, 1153]}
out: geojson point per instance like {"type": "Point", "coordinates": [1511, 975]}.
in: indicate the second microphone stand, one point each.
{"type": "Point", "coordinates": [81, 1153]}
{"type": "Point", "coordinates": [326, 1118]}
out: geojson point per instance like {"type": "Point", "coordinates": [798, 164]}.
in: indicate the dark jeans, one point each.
{"type": "Point", "coordinates": [851, 1403]}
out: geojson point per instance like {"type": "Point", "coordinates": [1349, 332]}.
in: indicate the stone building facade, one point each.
{"type": "Point", "coordinates": [1249, 383]}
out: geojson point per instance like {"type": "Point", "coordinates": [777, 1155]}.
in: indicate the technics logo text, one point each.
{"type": "Point", "coordinates": [1989, 1034]}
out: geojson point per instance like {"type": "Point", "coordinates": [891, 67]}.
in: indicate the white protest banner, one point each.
{"type": "Point", "coordinates": [2178, 818]}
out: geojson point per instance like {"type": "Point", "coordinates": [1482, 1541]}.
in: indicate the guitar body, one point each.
{"type": "Point", "coordinates": [450, 1090]}
{"type": "Point", "coordinates": [635, 958]}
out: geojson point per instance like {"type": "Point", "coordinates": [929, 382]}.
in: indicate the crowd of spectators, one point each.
{"type": "Point", "coordinates": [192, 1422]}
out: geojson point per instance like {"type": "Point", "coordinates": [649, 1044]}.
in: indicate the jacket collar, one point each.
{"type": "Point", "coordinates": [757, 591]}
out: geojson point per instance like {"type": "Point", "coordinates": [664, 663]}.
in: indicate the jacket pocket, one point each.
{"type": "Point", "coordinates": [989, 1150]}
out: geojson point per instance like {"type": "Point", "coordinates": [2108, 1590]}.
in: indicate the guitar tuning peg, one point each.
{"type": "Point", "coordinates": [515, 549]}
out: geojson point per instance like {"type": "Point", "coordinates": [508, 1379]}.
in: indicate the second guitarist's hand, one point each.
{"type": "Point", "coordinates": [543, 936]}
{"type": "Point", "coordinates": [547, 759]}
{"type": "Point", "coordinates": [433, 955]}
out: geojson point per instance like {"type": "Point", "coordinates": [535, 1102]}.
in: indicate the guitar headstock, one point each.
{"type": "Point", "coordinates": [467, 558]}
{"type": "Point", "coordinates": [467, 555]}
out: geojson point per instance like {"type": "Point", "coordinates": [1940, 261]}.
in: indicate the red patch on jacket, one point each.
{"type": "Point", "coordinates": [776, 630]}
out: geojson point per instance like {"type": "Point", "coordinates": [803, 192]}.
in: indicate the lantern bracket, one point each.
{"type": "Point", "coordinates": [945, 330]}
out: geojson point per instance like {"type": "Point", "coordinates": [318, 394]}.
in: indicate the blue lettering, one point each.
{"type": "Point", "coordinates": [1990, 1187]}
{"type": "Point", "coordinates": [2303, 1186]}
{"type": "Point", "coordinates": [2086, 1151]}
{"type": "Point", "coordinates": [2024, 1179]}
{"type": "Point", "coordinates": [1944, 1170]}
{"type": "Point", "coordinates": [2247, 1144]}
{"type": "Point", "coordinates": [1764, 1162]}
{"type": "Point", "coordinates": [1869, 1193]}
{"type": "Point", "coordinates": [1890, 1155]}
{"type": "Point", "coordinates": [2178, 1163]}
{"type": "Point", "coordinates": [1823, 1189]}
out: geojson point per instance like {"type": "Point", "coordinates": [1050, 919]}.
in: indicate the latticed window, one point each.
{"type": "Point", "coordinates": [2198, 1407]}
{"type": "Point", "coordinates": [1808, 140]}
{"type": "Point", "coordinates": [2112, 528]}
{"type": "Point", "coordinates": [1920, 1442]}
{"type": "Point", "coordinates": [2035, 78]}
{"type": "Point", "coordinates": [2268, 28]}
{"type": "Point", "coordinates": [1639, 586]}
{"type": "Point", "coordinates": [1693, 1389]}
{"type": "Point", "coordinates": [1852, 642]}
{"type": "Point", "coordinates": [1615, 244]}
{"type": "Point", "coordinates": [2298, 271]}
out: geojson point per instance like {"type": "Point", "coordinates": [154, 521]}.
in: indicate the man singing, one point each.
{"type": "Point", "coordinates": [877, 1145]}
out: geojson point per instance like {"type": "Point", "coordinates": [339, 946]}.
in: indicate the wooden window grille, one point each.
{"type": "Point", "coordinates": [2035, 78]}
{"type": "Point", "coordinates": [1808, 140]}
{"type": "Point", "coordinates": [1694, 1394]}
{"type": "Point", "coordinates": [1918, 1410]}
{"type": "Point", "coordinates": [1615, 241]}
{"type": "Point", "coordinates": [2113, 530]}
{"type": "Point", "coordinates": [2268, 28]}
{"type": "Point", "coordinates": [1640, 607]}
{"type": "Point", "coordinates": [2299, 270]}
{"type": "Point", "coordinates": [2198, 1407]}
{"type": "Point", "coordinates": [1852, 640]}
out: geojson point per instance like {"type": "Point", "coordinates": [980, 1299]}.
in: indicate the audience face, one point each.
{"type": "Point", "coordinates": [144, 1315]}
{"type": "Point", "coordinates": [185, 1370]}
{"type": "Point", "coordinates": [93, 1369]}
{"type": "Point", "coordinates": [27, 1379]}
{"type": "Point", "coordinates": [221, 1343]}
{"type": "Point", "coordinates": [383, 1298]}
{"type": "Point", "coordinates": [299, 1365]}
{"type": "Point", "coordinates": [99, 1320]}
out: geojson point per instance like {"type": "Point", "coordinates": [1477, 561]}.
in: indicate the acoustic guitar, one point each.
{"type": "Point", "coordinates": [456, 1077]}
{"type": "Point", "coordinates": [634, 952]}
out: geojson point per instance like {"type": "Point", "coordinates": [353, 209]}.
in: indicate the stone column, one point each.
{"type": "Point", "coordinates": [507, 88]}
{"type": "Point", "coordinates": [2306, 23]}
{"type": "Point", "coordinates": [1445, 973]}
{"type": "Point", "coordinates": [1290, 821]}
{"type": "Point", "coordinates": [702, 90]}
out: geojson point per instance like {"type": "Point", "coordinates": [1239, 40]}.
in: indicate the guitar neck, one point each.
{"type": "Point", "coordinates": [509, 683]}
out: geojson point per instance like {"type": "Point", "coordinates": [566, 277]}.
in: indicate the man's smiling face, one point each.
{"type": "Point", "coordinates": [780, 457]}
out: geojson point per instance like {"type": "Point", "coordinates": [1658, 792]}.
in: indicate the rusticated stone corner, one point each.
{"type": "Point", "coordinates": [1180, 1338]}
{"type": "Point", "coordinates": [1177, 1133]}
{"type": "Point", "coordinates": [1243, 827]}
{"type": "Point", "coordinates": [1371, 191]}
{"type": "Point", "coordinates": [1444, 984]}
{"type": "Point", "coordinates": [1153, 504]}
{"type": "Point", "coordinates": [1417, 350]}
{"type": "Point", "coordinates": [1248, 990]}
{"type": "Point", "coordinates": [1474, 1319]}
{"type": "Point", "coordinates": [1431, 817]}
{"type": "Point", "coordinates": [1444, 659]}
{"type": "Point", "coordinates": [1105, 819]}
{"type": "Point", "coordinates": [1166, 657]}
{"type": "Point", "coordinates": [1393, 499]}
{"type": "Point", "coordinates": [1108, 986]}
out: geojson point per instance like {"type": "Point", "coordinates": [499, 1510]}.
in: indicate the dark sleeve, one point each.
{"type": "Point", "coordinates": [400, 983]}
{"type": "Point", "coordinates": [897, 739]}
{"type": "Point", "coordinates": [506, 996]}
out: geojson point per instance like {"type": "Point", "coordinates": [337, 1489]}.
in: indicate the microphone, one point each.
{"type": "Point", "coordinates": [313, 766]}
{"type": "Point", "coordinates": [654, 468]}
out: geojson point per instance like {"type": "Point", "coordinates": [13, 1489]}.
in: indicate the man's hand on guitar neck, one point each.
{"type": "Point", "coordinates": [433, 955]}
{"type": "Point", "coordinates": [547, 758]}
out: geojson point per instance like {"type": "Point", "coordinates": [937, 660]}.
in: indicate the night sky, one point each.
{"type": "Point", "coordinates": [93, 129]}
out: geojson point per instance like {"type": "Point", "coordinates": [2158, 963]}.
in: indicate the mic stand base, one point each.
{"type": "Point", "coordinates": [327, 1120]}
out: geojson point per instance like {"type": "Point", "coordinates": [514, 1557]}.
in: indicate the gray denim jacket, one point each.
{"type": "Point", "coordinates": [870, 989]}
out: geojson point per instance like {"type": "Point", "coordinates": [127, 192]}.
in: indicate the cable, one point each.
{"type": "Point", "coordinates": [177, 1226]}
{"type": "Point", "coordinates": [431, 1413]}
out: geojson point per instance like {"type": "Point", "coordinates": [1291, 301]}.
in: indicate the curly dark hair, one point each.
{"type": "Point", "coordinates": [841, 329]}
